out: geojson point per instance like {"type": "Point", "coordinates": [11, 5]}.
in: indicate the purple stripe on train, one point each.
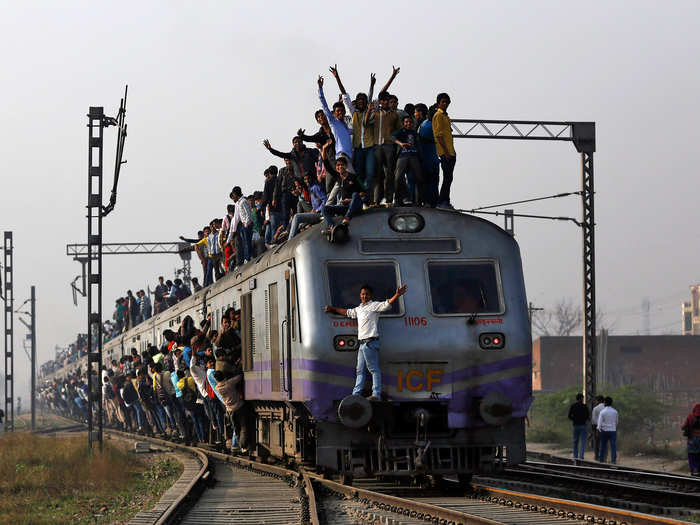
{"type": "Point", "coordinates": [321, 397]}
{"type": "Point", "coordinates": [323, 367]}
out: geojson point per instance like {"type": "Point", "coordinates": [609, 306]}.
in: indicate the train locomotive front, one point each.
{"type": "Point", "coordinates": [455, 350]}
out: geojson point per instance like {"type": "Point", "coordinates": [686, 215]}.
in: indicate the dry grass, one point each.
{"type": "Point", "coordinates": [56, 480]}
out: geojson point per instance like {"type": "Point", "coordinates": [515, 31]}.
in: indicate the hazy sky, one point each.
{"type": "Point", "coordinates": [208, 81]}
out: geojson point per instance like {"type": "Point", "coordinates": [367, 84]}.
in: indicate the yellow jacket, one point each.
{"type": "Point", "coordinates": [443, 129]}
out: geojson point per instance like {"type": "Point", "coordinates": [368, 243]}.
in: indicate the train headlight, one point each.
{"type": "Point", "coordinates": [406, 222]}
{"type": "Point", "coordinates": [345, 343]}
{"type": "Point", "coordinates": [492, 340]}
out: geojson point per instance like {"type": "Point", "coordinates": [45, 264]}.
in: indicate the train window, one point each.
{"type": "Point", "coordinates": [464, 287]}
{"type": "Point", "coordinates": [346, 278]}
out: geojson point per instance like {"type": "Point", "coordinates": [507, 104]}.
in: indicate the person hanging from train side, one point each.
{"type": "Point", "coordinates": [367, 315]}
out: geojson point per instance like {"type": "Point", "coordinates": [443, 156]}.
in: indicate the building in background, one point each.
{"type": "Point", "coordinates": [667, 364]}
{"type": "Point", "coordinates": [691, 312]}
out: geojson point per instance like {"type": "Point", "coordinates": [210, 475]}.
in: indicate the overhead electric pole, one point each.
{"type": "Point", "coordinates": [97, 122]}
{"type": "Point", "coordinates": [8, 297]}
{"type": "Point", "coordinates": [582, 135]}
{"type": "Point", "coordinates": [31, 326]}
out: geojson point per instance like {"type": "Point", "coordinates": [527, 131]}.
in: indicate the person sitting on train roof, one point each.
{"type": "Point", "coordinates": [318, 198]}
{"type": "Point", "coordinates": [367, 315]}
{"type": "Point", "coordinates": [303, 198]}
{"type": "Point", "coordinates": [351, 192]}
{"type": "Point", "coordinates": [195, 284]}
{"type": "Point", "coordinates": [183, 292]}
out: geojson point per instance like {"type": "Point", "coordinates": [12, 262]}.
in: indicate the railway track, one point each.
{"type": "Point", "coordinates": [233, 489]}
{"type": "Point", "coordinates": [679, 482]}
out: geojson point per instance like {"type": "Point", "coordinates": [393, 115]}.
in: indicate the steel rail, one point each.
{"type": "Point", "coordinates": [405, 506]}
{"type": "Point", "coordinates": [311, 495]}
{"type": "Point", "coordinates": [176, 506]}
{"type": "Point", "coordinates": [620, 472]}
{"type": "Point", "coordinates": [576, 508]}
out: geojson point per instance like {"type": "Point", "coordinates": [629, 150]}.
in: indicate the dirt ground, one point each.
{"type": "Point", "coordinates": [662, 464]}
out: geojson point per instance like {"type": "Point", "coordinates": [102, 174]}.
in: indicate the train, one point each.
{"type": "Point", "coordinates": [455, 349]}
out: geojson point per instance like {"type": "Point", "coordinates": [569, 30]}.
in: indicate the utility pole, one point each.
{"type": "Point", "coordinates": [96, 212]}
{"type": "Point", "coordinates": [31, 326]}
{"type": "Point", "coordinates": [582, 135]}
{"type": "Point", "coordinates": [8, 297]}
{"type": "Point", "coordinates": [530, 312]}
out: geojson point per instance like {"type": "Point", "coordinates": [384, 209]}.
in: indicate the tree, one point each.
{"type": "Point", "coordinates": [564, 319]}
{"type": "Point", "coordinates": [561, 320]}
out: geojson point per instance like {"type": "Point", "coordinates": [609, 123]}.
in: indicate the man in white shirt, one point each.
{"type": "Point", "coordinates": [607, 426]}
{"type": "Point", "coordinates": [241, 225]}
{"type": "Point", "coordinates": [594, 426]}
{"type": "Point", "coordinates": [367, 315]}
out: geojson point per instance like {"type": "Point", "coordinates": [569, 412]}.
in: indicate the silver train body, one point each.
{"type": "Point", "coordinates": [457, 377]}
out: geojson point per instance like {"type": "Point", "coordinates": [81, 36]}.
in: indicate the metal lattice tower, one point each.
{"type": "Point", "coordinates": [8, 296]}
{"type": "Point", "coordinates": [582, 135]}
{"type": "Point", "coordinates": [94, 271]}
{"type": "Point", "coordinates": [184, 249]}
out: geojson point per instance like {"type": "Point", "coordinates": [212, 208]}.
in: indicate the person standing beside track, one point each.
{"type": "Point", "coordinates": [691, 430]}
{"type": "Point", "coordinates": [607, 426]}
{"type": "Point", "coordinates": [579, 415]}
{"type": "Point", "coordinates": [367, 315]}
{"type": "Point", "coordinates": [595, 435]}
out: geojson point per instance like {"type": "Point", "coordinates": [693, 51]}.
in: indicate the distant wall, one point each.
{"type": "Point", "coordinates": [667, 364]}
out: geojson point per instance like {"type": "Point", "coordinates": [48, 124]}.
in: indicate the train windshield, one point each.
{"type": "Point", "coordinates": [346, 278]}
{"type": "Point", "coordinates": [463, 287]}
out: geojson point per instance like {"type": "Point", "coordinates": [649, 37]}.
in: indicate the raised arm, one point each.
{"type": "Point", "coordinates": [334, 71]}
{"type": "Point", "coordinates": [372, 81]}
{"type": "Point", "coordinates": [193, 241]}
{"type": "Point", "coordinates": [399, 292]}
{"type": "Point", "coordinates": [322, 98]}
{"type": "Point", "coordinates": [394, 72]}
{"type": "Point", "coordinates": [276, 153]}
{"type": "Point", "coordinates": [334, 310]}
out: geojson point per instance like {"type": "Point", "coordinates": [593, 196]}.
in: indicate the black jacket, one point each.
{"type": "Point", "coordinates": [269, 193]}
{"type": "Point", "coordinates": [306, 159]}
{"type": "Point", "coordinates": [578, 413]}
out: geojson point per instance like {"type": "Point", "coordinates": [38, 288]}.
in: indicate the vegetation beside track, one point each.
{"type": "Point", "coordinates": [54, 480]}
{"type": "Point", "coordinates": [640, 432]}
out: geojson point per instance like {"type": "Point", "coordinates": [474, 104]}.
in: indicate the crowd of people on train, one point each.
{"type": "Point", "coordinates": [187, 389]}
{"type": "Point", "coordinates": [367, 152]}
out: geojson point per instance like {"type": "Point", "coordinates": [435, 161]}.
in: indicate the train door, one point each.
{"type": "Point", "coordinates": [274, 327]}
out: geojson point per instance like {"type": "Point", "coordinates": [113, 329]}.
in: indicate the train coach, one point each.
{"type": "Point", "coordinates": [455, 353]}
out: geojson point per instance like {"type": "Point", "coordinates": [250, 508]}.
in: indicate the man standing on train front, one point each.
{"type": "Point", "coordinates": [367, 315]}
